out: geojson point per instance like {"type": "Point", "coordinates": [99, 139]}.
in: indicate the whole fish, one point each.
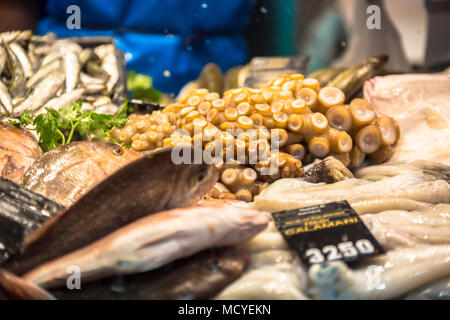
{"type": "Point", "coordinates": [15, 288]}
{"type": "Point", "coordinates": [43, 72]}
{"type": "Point", "coordinates": [109, 64]}
{"type": "Point", "coordinates": [23, 59]}
{"type": "Point", "coordinates": [18, 151]}
{"type": "Point", "coordinates": [5, 99]}
{"type": "Point", "coordinates": [62, 101]}
{"type": "Point", "coordinates": [33, 57]}
{"type": "Point", "coordinates": [201, 276]}
{"type": "Point", "coordinates": [18, 79]}
{"type": "Point", "coordinates": [66, 173]}
{"type": "Point", "coordinates": [149, 184]}
{"type": "Point", "coordinates": [154, 241]}
{"type": "Point", "coordinates": [43, 92]}
{"type": "Point", "coordinates": [351, 80]}
{"type": "Point", "coordinates": [71, 69]}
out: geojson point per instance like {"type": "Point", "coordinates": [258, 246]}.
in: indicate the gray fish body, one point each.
{"type": "Point", "coordinates": [109, 64]}
{"type": "Point", "coordinates": [23, 59]}
{"type": "Point", "coordinates": [18, 80]}
{"type": "Point", "coordinates": [43, 72]}
{"type": "Point", "coordinates": [62, 101]}
{"type": "Point", "coordinates": [43, 92]}
{"type": "Point", "coordinates": [71, 69]}
{"type": "Point", "coordinates": [5, 99]}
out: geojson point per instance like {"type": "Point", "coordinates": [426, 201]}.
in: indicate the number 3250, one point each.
{"type": "Point", "coordinates": [344, 250]}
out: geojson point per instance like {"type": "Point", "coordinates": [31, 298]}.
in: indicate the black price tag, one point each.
{"type": "Point", "coordinates": [327, 232]}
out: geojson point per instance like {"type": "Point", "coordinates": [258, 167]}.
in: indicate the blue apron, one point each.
{"type": "Point", "coordinates": [170, 40]}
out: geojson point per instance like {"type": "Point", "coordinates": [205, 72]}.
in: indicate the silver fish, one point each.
{"type": "Point", "coordinates": [62, 101]}
{"type": "Point", "coordinates": [23, 59]}
{"type": "Point", "coordinates": [43, 72]}
{"type": "Point", "coordinates": [42, 93]}
{"type": "Point", "coordinates": [5, 99]}
{"type": "Point", "coordinates": [109, 64]}
{"type": "Point", "coordinates": [71, 69]}
{"type": "Point", "coordinates": [17, 83]}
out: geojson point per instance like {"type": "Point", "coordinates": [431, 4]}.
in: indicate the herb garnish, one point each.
{"type": "Point", "coordinates": [57, 127]}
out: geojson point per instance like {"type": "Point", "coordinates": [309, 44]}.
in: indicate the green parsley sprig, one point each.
{"type": "Point", "coordinates": [58, 127]}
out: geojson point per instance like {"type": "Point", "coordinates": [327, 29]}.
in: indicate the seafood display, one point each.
{"type": "Point", "coordinates": [187, 200]}
{"type": "Point", "coordinates": [43, 71]}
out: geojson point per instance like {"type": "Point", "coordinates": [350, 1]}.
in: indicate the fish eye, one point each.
{"type": "Point", "coordinates": [118, 150]}
{"type": "Point", "coordinates": [201, 175]}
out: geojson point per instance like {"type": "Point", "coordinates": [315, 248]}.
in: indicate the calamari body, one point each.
{"type": "Point", "coordinates": [277, 281]}
{"type": "Point", "coordinates": [386, 276]}
{"type": "Point", "coordinates": [414, 185]}
{"type": "Point", "coordinates": [398, 228]}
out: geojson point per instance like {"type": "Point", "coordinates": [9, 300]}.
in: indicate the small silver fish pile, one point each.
{"type": "Point", "coordinates": [43, 71]}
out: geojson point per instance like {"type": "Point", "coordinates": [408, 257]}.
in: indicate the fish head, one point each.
{"type": "Point", "coordinates": [109, 156]}
{"type": "Point", "coordinates": [194, 181]}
